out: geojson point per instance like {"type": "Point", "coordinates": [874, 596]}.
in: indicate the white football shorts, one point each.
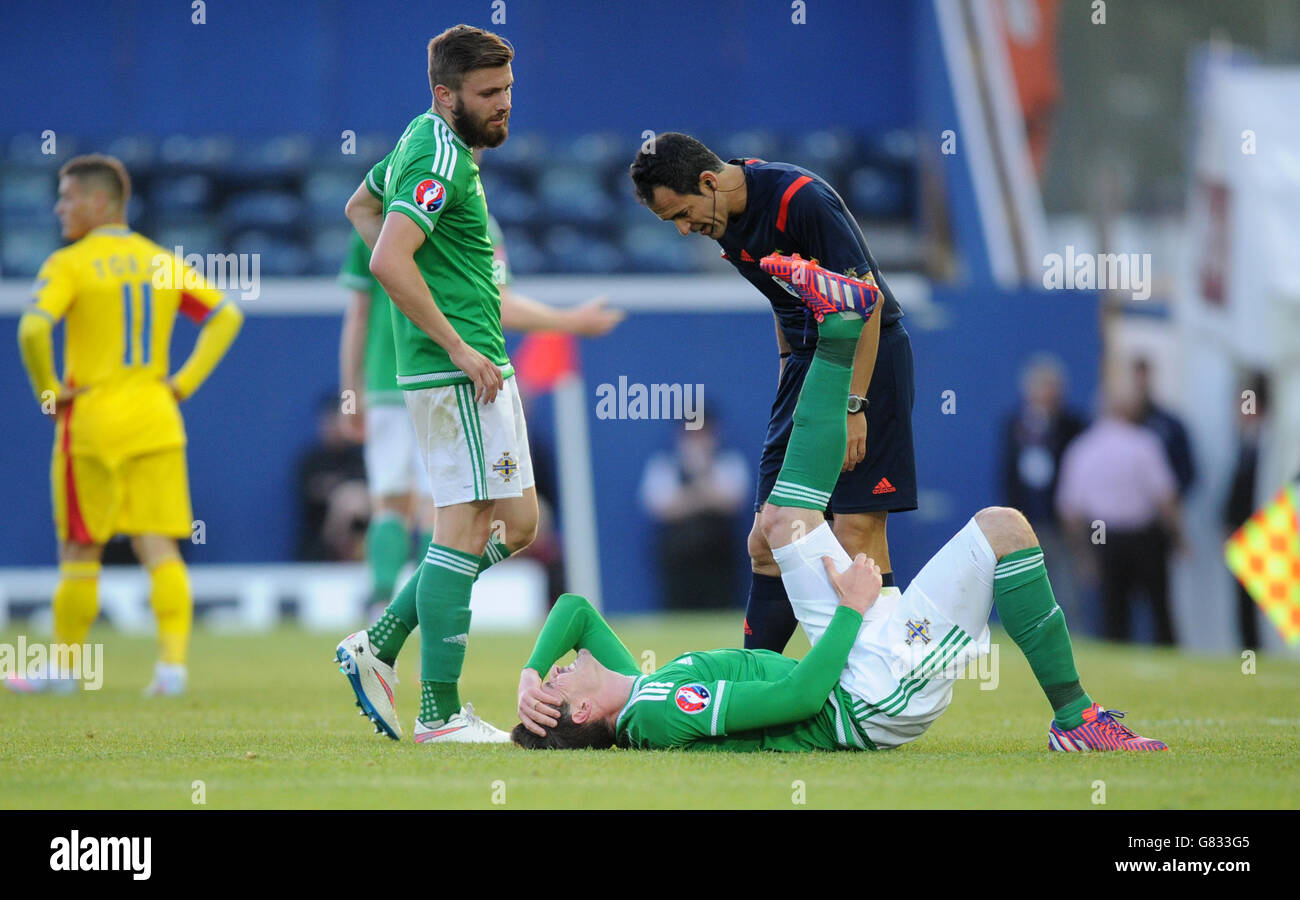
{"type": "Point", "coordinates": [393, 463]}
{"type": "Point", "coordinates": [471, 451]}
{"type": "Point", "coordinates": [912, 646]}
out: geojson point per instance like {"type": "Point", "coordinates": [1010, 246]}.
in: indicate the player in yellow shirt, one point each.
{"type": "Point", "coordinates": [119, 443]}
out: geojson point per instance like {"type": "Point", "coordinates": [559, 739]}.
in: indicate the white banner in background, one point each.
{"type": "Point", "coordinates": [328, 597]}
{"type": "Point", "coordinates": [1238, 309]}
{"type": "Point", "coordinates": [1244, 214]}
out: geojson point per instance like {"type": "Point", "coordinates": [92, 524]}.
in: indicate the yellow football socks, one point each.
{"type": "Point", "coordinates": [173, 605]}
{"type": "Point", "coordinates": [76, 601]}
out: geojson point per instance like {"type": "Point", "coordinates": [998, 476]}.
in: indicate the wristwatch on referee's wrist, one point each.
{"type": "Point", "coordinates": [857, 404]}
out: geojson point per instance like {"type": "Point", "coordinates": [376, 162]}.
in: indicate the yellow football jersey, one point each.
{"type": "Point", "coordinates": [120, 293]}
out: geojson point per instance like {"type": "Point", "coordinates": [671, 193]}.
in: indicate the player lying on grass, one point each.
{"type": "Point", "coordinates": [880, 671]}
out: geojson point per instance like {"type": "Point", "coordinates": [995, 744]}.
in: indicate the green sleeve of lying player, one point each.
{"type": "Point", "coordinates": [801, 693]}
{"type": "Point", "coordinates": [574, 624]}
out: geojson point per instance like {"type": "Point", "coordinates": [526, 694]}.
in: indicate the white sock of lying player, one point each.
{"type": "Point", "coordinates": [805, 580]}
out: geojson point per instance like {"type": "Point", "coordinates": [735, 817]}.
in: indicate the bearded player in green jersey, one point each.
{"type": "Point", "coordinates": [422, 211]}
{"type": "Point", "coordinates": [400, 499]}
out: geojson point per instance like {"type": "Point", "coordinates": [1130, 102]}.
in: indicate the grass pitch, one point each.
{"type": "Point", "coordinates": [269, 723]}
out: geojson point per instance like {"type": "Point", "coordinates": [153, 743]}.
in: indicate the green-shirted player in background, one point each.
{"type": "Point", "coordinates": [400, 500]}
{"type": "Point", "coordinates": [422, 212]}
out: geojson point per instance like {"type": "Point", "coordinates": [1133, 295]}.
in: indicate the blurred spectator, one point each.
{"type": "Point", "coordinates": [335, 505]}
{"type": "Point", "coordinates": [1252, 422]}
{"type": "Point", "coordinates": [1118, 494]}
{"type": "Point", "coordinates": [1033, 441]}
{"type": "Point", "coordinates": [696, 494]}
{"type": "Point", "coordinates": [1166, 426]}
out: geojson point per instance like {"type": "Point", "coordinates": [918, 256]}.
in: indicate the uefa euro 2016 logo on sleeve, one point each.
{"type": "Point", "coordinates": [693, 698]}
{"type": "Point", "coordinates": [429, 195]}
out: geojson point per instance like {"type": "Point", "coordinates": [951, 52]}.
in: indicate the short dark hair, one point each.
{"type": "Point", "coordinates": [460, 50]}
{"type": "Point", "coordinates": [568, 735]}
{"type": "Point", "coordinates": [106, 171]}
{"type": "Point", "coordinates": [672, 160]}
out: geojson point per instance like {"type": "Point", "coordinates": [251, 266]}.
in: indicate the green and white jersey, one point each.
{"type": "Point", "coordinates": [684, 705]}
{"type": "Point", "coordinates": [431, 177]}
{"type": "Point", "coordinates": [380, 361]}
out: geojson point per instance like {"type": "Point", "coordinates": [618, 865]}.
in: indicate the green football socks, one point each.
{"type": "Point", "coordinates": [811, 467]}
{"type": "Point", "coordinates": [442, 598]}
{"type": "Point", "coordinates": [398, 621]}
{"type": "Point", "coordinates": [493, 553]}
{"type": "Point", "coordinates": [1029, 613]}
{"type": "Point", "coordinates": [389, 633]}
{"type": "Point", "coordinates": [387, 545]}
{"type": "Point", "coordinates": [439, 701]}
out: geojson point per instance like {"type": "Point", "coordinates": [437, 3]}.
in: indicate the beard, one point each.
{"type": "Point", "coordinates": [476, 131]}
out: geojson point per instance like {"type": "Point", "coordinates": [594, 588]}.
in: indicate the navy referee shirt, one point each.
{"type": "Point", "coordinates": [791, 210]}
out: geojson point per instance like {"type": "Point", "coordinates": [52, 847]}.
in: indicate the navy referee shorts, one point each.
{"type": "Point", "coordinates": [885, 480]}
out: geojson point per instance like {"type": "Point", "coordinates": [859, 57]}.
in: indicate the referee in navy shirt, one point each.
{"type": "Point", "coordinates": [754, 208]}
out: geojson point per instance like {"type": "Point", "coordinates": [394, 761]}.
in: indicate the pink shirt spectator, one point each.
{"type": "Point", "coordinates": [1116, 472]}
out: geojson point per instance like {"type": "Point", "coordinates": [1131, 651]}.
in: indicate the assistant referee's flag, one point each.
{"type": "Point", "coordinates": [1264, 554]}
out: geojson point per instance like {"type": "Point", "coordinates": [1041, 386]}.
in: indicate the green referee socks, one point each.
{"type": "Point", "coordinates": [815, 454]}
{"type": "Point", "coordinates": [1029, 613]}
{"type": "Point", "coordinates": [442, 599]}
{"type": "Point", "coordinates": [387, 545]}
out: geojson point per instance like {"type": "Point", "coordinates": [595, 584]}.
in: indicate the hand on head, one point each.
{"type": "Point", "coordinates": [539, 707]}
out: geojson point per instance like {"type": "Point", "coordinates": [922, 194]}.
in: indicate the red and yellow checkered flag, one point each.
{"type": "Point", "coordinates": [1264, 554]}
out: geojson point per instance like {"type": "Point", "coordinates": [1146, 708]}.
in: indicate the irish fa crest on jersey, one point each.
{"type": "Point", "coordinates": [429, 195]}
{"type": "Point", "coordinates": [693, 698]}
{"type": "Point", "coordinates": [916, 630]}
{"type": "Point", "coordinates": [506, 467]}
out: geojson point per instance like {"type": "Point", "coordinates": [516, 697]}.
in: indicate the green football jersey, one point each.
{"type": "Point", "coordinates": [431, 177]}
{"type": "Point", "coordinates": [684, 705]}
{"type": "Point", "coordinates": [380, 360]}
